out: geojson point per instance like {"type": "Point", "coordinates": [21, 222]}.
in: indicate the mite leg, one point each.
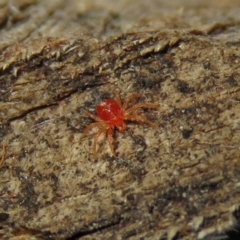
{"type": "Point", "coordinates": [141, 105]}
{"type": "Point", "coordinates": [141, 119]}
{"type": "Point", "coordinates": [118, 97]}
{"type": "Point", "coordinates": [110, 140]}
{"type": "Point", "coordinates": [128, 99]}
{"type": "Point", "coordinates": [101, 131]}
{"type": "Point", "coordinates": [93, 116]}
{"type": "Point", "coordinates": [92, 125]}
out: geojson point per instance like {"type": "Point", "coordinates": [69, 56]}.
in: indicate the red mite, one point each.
{"type": "Point", "coordinates": [111, 114]}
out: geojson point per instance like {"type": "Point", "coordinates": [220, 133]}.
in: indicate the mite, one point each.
{"type": "Point", "coordinates": [112, 114]}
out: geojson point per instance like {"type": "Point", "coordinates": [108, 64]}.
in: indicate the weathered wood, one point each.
{"type": "Point", "coordinates": [180, 180]}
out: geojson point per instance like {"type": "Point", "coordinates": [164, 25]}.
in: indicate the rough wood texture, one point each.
{"type": "Point", "coordinates": [180, 180]}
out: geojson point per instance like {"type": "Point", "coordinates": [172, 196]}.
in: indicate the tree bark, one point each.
{"type": "Point", "coordinates": [179, 180]}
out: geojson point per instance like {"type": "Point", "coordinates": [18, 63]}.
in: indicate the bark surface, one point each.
{"type": "Point", "coordinates": [59, 59]}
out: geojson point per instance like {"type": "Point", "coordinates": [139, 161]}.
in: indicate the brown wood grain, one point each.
{"type": "Point", "coordinates": [180, 180]}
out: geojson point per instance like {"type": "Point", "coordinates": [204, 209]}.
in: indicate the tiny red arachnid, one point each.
{"type": "Point", "coordinates": [111, 114]}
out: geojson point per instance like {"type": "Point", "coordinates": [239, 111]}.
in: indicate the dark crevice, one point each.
{"type": "Point", "coordinates": [89, 231]}
{"type": "Point", "coordinates": [30, 111]}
